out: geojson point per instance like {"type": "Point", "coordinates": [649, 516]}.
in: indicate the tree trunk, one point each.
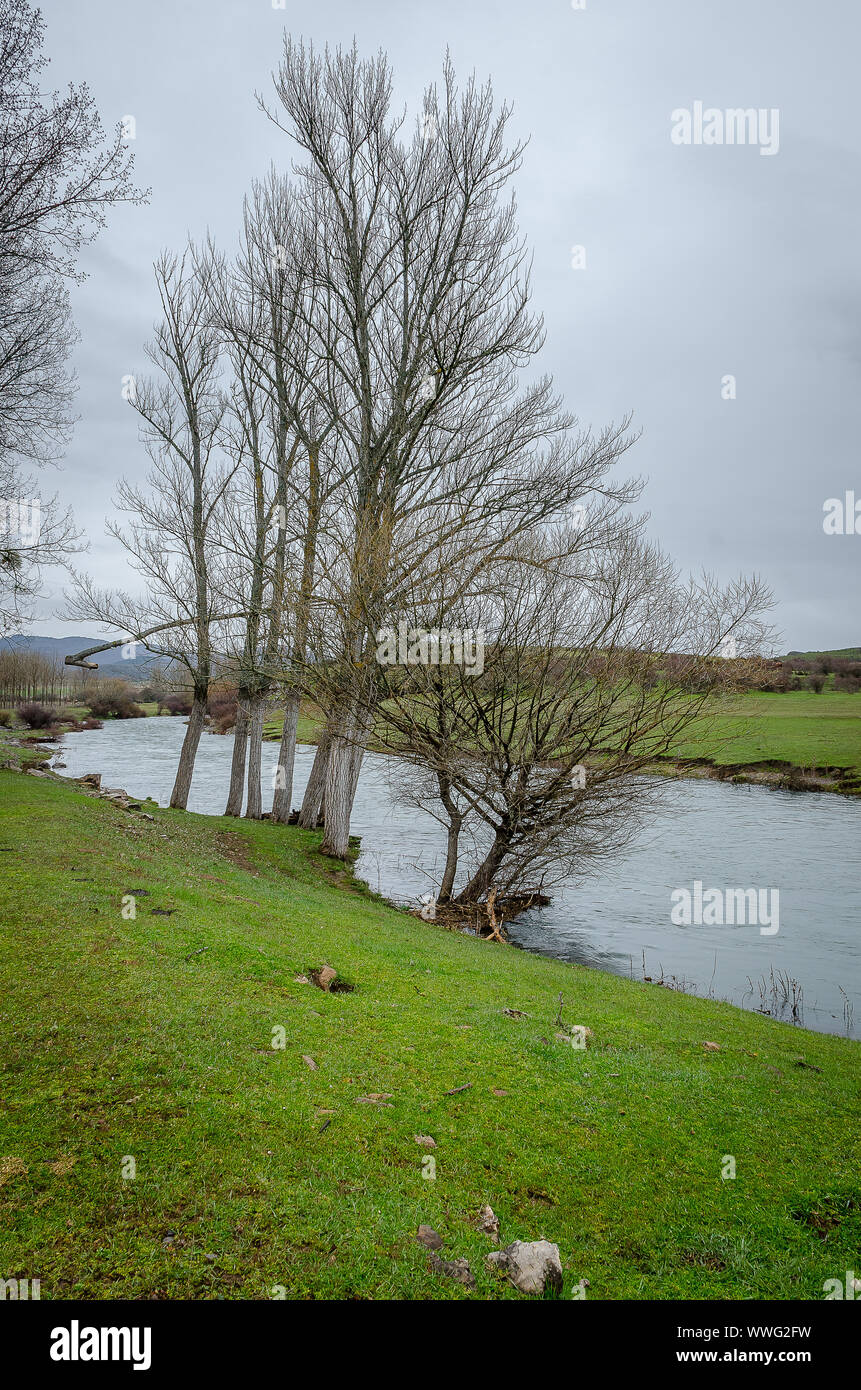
{"type": "Point", "coordinates": [237, 766]}
{"type": "Point", "coordinates": [254, 808]}
{"type": "Point", "coordinates": [312, 802]}
{"type": "Point", "coordinates": [360, 732]}
{"type": "Point", "coordinates": [281, 802]}
{"type": "Point", "coordinates": [450, 870]}
{"type": "Point", "coordinates": [482, 879]}
{"type": "Point", "coordinates": [455, 821]}
{"type": "Point", "coordinates": [342, 776]}
{"type": "Point", "coordinates": [339, 797]}
{"type": "Point", "coordinates": [194, 728]}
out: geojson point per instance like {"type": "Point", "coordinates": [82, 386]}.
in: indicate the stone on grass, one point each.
{"type": "Point", "coordinates": [533, 1266]}
{"type": "Point", "coordinates": [426, 1235]}
{"type": "Point", "coordinates": [489, 1223]}
{"type": "Point", "coordinates": [458, 1270]}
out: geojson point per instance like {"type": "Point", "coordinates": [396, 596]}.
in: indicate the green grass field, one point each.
{"type": "Point", "coordinates": [801, 727]}
{"type": "Point", "coordinates": [150, 1039]}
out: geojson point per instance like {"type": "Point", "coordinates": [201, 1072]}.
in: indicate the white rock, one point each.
{"type": "Point", "coordinates": [532, 1266]}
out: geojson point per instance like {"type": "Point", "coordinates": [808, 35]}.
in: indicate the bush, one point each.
{"type": "Point", "coordinates": [36, 716]}
{"type": "Point", "coordinates": [179, 703]}
{"type": "Point", "coordinates": [5, 718]}
{"type": "Point", "coordinates": [113, 699]}
{"type": "Point", "coordinates": [816, 682]}
{"type": "Point", "coordinates": [221, 708]}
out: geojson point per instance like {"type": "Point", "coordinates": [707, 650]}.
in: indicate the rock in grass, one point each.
{"type": "Point", "coordinates": [426, 1235]}
{"type": "Point", "coordinates": [533, 1266]}
{"type": "Point", "coordinates": [489, 1223]}
{"type": "Point", "coordinates": [458, 1270]}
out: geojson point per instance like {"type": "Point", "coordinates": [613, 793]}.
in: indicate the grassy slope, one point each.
{"type": "Point", "coordinates": [118, 1039]}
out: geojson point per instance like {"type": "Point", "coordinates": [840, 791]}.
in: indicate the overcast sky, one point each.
{"type": "Point", "coordinates": [702, 261]}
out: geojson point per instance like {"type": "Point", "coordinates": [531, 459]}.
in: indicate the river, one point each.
{"type": "Point", "coordinates": [804, 844]}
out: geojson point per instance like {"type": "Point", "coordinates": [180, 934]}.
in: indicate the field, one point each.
{"type": "Point", "coordinates": [145, 1045]}
{"type": "Point", "coordinates": [801, 728]}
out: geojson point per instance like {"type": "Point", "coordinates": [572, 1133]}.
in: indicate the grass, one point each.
{"type": "Point", "coordinates": [308, 729]}
{"type": "Point", "coordinates": [800, 727]}
{"type": "Point", "coordinates": [151, 1038]}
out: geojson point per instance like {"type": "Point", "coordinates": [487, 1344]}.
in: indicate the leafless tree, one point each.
{"type": "Point", "coordinates": [550, 747]}
{"type": "Point", "coordinates": [426, 288]}
{"type": "Point", "coordinates": [169, 535]}
{"type": "Point", "coordinates": [58, 176]}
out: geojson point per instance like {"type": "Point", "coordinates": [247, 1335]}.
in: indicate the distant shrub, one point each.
{"type": "Point", "coordinates": [5, 718]}
{"type": "Point", "coordinates": [816, 682]}
{"type": "Point", "coordinates": [113, 699]}
{"type": "Point", "coordinates": [149, 695]}
{"type": "Point", "coordinates": [849, 684]}
{"type": "Point", "coordinates": [91, 723]}
{"type": "Point", "coordinates": [221, 708]}
{"type": "Point", "coordinates": [36, 716]}
{"type": "Point", "coordinates": [179, 703]}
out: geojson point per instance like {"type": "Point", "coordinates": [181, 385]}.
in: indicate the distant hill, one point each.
{"type": "Point", "coordinates": [851, 653]}
{"type": "Point", "coordinates": [111, 663]}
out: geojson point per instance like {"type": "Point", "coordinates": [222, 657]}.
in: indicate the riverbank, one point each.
{"type": "Point", "coordinates": [256, 1167]}
{"type": "Point", "coordinates": [799, 741]}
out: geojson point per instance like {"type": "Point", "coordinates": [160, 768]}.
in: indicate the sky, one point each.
{"type": "Point", "coordinates": [699, 262]}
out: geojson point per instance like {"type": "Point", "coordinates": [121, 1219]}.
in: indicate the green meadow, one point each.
{"type": "Point", "coordinates": [154, 1143]}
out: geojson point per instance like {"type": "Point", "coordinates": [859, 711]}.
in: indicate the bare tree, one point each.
{"type": "Point", "coordinates": [57, 177]}
{"type": "Point", "coordinates": [549, 748]}
{"type": "Point", "coordinates": [170, 534]}
{"type": "Point", "coordinates": [426, 291]}
{"type": "Point", "coordinates": [273, 312]}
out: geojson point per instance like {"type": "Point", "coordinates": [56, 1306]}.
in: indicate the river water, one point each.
{"type": "Point", "coordinates": [804, 844]}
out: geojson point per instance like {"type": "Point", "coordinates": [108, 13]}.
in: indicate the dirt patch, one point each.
{"type": "Point", "coordinates": [235, 848]}
{"type": "Point", "coordinates": [702, 1259]}
{"type": "Point", "coordinates": [825, 1214]}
